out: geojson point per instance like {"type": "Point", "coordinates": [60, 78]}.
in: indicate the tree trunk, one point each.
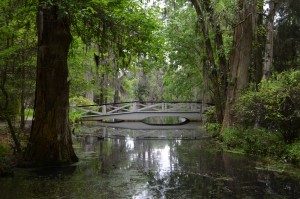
{"type": "Point", "coordinates": [213, 74]}
{"type": "Point", "coordinates": [50, 140]}
{"type": "Point", "coordinates": [89, 94]}
{"type": "Point", "coordinates": [219, 47]}
{"type": "Point", "coordinates": [116, 87]}
{"type": "Point", "coordinates": [259, 47]}
{"type": "Point", "coordinates": [22, 96]}
{"type": "Point", "coordinates": [268, 57]}
{"type": "Point", "coordinates": [240, 57]}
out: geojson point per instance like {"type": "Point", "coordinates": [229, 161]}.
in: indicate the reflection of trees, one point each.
{"type": "Point", "coordinates": [207, 173]}
{"type": "Point", "coordinates": [191, 170]}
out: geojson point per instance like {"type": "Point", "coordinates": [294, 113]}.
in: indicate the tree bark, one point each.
{"type": "Point", "coordinates": [240, 57]}
{"type": "Point", "coordinates": [259, 47]}
{"type": "Point", "coordinates": [22, 96]}
{"type": "Point", "coordinates": [268, 57]}
{"type": "Point", "coordinates": [213, 74]}
{"type": "Point", "coordinates": [219, 47]}
{"type": "Point", "coordinates": [116, 86]}
{"type": "Point", "coordinates": [50, 140]}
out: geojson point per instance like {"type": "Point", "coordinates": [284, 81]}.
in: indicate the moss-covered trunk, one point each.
{"type": "Point", "coordinates": [241, 57]}
{"type": "Point", "coordinates": [50, 140]}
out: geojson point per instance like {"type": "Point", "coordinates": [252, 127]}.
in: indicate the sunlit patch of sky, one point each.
{"type": "Point", "coordinates": [129, 143]}
{"type": "Point", "coordinates": [163, 159]}
{"type": "Point", "coordinates": [267, 9]}
{"type": "Point", "coordinates": [149, 3]}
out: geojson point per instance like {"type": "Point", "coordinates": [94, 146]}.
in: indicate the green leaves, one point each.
{"type": "Point", "coordinates": [275, 106]}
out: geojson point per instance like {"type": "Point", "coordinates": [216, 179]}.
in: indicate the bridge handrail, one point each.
{"type": "Point", "coordinates": [134, 107]}
{"type": "Point", "coordinates": [148, 102]}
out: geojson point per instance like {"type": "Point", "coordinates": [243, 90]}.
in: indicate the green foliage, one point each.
{"type": "Point", "coordinates": [81, 64]}
{"type": "Point", "coordinates": [293, 152]}
{"type": "Point", "coordinates": [13, 109]}
{"type": "Point", "coordinates": [213, 129]}
{"type": "Point", "coordinates": [184, 56]}
{"type": "Point", "coordinates": [17, 50]}
{"type": "Point", "coordinates": [80, 101]}
{"type": "Point", "coordinates": [264, 143]}
{"type": "Point", "coordinates": [276, 106]}
{"type": "Point", "coordinates": [211, 115]}
{"type": "Point", "coordinates": [28, 113]}
{"type": "Point", "coordinates": [123, 35]}
{"type": "Point", "coordinates": [4, 150]}
{"type": "Point", "coordinates": [233, 137]}
{"type": "Point", "coordinates": [254, 141]}
{"type": "Point", "coordinates": [286, 40]}
{"type": "Point", "coordinates": [5, 161]}
{"type": "Point", "coordinates": [75, 115]}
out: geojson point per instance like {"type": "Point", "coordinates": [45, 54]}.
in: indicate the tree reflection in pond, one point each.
{"type": "Point", "coordinates": [124, 166]}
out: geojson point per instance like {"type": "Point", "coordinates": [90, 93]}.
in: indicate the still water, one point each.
{"type": "Point", "coordinates": [180, 162]}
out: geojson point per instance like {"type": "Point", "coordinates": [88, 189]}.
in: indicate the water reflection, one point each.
{"type": "Point", "coordinates": [152, 164]}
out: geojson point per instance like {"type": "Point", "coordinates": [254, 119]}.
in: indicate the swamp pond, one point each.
{"type": "Point", "coordinates": [157, 162]}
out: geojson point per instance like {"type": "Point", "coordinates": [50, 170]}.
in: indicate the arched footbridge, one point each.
{"type": "Point", "coordinates": [135, 111]}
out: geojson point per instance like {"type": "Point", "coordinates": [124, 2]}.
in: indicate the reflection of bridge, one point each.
{"type": "Point", "coordinates": [139, 130]}
{"type": "Point", "coordinates": [138, 111]}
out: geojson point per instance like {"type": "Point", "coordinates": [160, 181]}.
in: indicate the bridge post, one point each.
{"type": "Point", "coordinates": [133, 107]}
{"type": "Point", "coordinates": [193, 107]}
{"type": "Point", "coordinates": [104, 109]}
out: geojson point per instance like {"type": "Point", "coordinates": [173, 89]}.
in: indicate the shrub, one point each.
{"type": "Point", "coordinates": [264, 143]}
{"type": "Point", "coordinates": [74, 114]}
{"type": "Point", "coordinates": [211, 115]}
{"type": "Point", "coordinates": [213, 128]}
{"type": "Point", "coordinates": [254, 141]}
{"type": "Point", "coordinates": [13, 108]}
{"type": "Point", "coordinates": [293, 152]}
{"type": "Point", "coordinates": [80, 101]}
{"type": "Point", "coordinates": [5, 161]}
{"type": "Point", "coordinates": [276, 106]}
{"type": "Point", "coordinates": [233, 137]}
{"type": "Point", "coordinates": [4, 150]}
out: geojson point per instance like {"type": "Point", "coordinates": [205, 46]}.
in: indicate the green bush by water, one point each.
{"type": "Point", "coordinates": [275, 106]}
{"type": "Point", "coordinates": [211, 115]}
{"type": "Point", "coordinates": [75, 115]}
{"type": "Point", "coordinates": [213, 129]}
{"type": "Point", "coordinates": [254, 141]}
{"type": "Point", "coordinates": [293, 152]}
{"type": "Point", "coordinates": [233, 138]}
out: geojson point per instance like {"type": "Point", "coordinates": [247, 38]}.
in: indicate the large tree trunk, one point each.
{"type": "Point", "coordinates": [50, 140]}
{"type": "Point", "coordinates": [258, 48]}
{"type": "Point", "coordinates": [215, 23]}
{"type": "Point", "coordinates": [241, 56]}
{"type": "Point", "coordinates": [213, 70]}
{"type": "Point", "coordinates": [268, 58]}
{"type": "Point", "coordinates": [22, 96]}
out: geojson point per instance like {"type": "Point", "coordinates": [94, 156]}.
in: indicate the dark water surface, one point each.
{"type": "Point", "coordinates": [151, 164]}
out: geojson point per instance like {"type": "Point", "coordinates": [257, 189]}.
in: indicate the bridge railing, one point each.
{"type": "Point", "coordinates": [130, 107]}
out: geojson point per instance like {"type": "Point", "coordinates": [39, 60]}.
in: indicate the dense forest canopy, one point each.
{"type": "Point", "coordinates": [109, 51]}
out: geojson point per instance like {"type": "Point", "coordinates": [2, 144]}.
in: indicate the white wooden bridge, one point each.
{"type": "Point", "coordinates": [135, 111]}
